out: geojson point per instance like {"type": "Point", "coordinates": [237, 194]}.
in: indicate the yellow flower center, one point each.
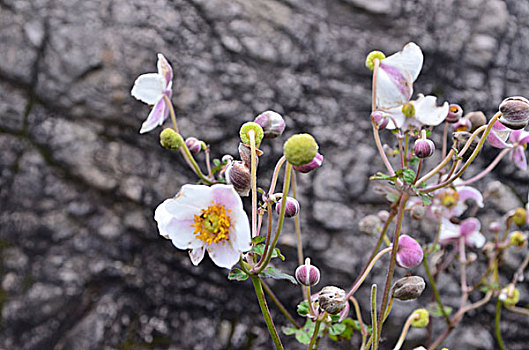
{"type": "Point", "coordinates": [213, 224]}
{"type": "Point", "coordinates": [449, 198]}
{"type": "Point", "coordinates": [461, 128]}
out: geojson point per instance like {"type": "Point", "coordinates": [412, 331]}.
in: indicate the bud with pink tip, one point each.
{"type": "Point", "coordinates": [409, 252]}
{"type": "Point", "coordinates": [455, 112]}
{"type": "Point", "coordinates": [272, 123]}
{"type": "Point", "coordinates": [193, 144]}
{"type": "Point", "coordinates": [291, 208]}
{"type": "Point", "coordinates": [307, 274]}
{"type": "Point", "coordinates": [424, 148]}
{"type": "Point", "coordinates": [314, 164]}
{"type": "Point", "coordinates": [380, 119]}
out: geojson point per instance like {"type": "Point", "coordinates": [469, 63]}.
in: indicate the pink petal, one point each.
{"type": "Point", "coordinates": [498, 135]}
{"type": "Point", "coordinates": [196, 255]}
{"type": "Point", "coordinates": [519, 136]}
{"type": "Point", "coordinates": [155, 118]}
{"type": "Point", "coordinates": [223, 254]}
{"type": "Point", "coordinates": [448, 231]}
{"type": "Point", "coordinates": [165, 69]}
{"type": "Point", "coordinates": [518, 157]}
{"type": "Point", "coordinates": [467, 192]}
{"type": "Point", "coordinates": [469, 226]}
{"type": "Point", "coordinates": [409, 253]}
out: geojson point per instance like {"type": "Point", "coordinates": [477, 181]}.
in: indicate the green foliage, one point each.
{"type": "Point", "coordinates": [343, 330]}
{"type": "Point", "coordinates": [435, 310]}
{"type": "Point", "coordinates": [274, 273]}
{"type": "Point", "coordinates": [304, 334]}
{"type": "Point", "coordinates": [237, 275]}
{"type": "Point", "coordinates": [303, 308]}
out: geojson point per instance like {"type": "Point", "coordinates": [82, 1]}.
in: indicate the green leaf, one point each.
{"type": "Point", "coordinates": [337, 329]}
{"type": "Point", "coordinates": [335, 318]}
{"type": "Point", "coordinates": [408, 175]}
{"type": "Point", "coordinates": [237, 275]}
{"type": "Point", "coordinates": [274, 273]}
{"type": "Point", "coordinates": [258, 249]}
{"type": "Point", "coordinates": [289, 330]}
{"type": "Point", "coordinates": [303, 337]}
{"type": "Point", "coordinates": [258, 239]}
{"type": "Point", "coordinates": [216, 162]}
{"type": "Point", "coordinates": [414, 160]}
{"type": "Point", "coordinates": [303, 308]}
{"type": "Point", "coordinates": [426, 200]}
{"type": "Point", "coordinates": [435, 310]}
{"type": "Point", "coordinates": [382, 176]}
{"type": "Point", "coordinates": [277, 254]}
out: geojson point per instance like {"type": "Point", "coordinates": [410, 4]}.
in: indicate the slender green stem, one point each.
{"type": "Point", "coordinates": [388, 309]}
{"type": "Point", "coordinates": [402, 204]}
{"type": "Point", "coordinates": [435, 290]}
{"type": "Point", "coordinates": [405, 329]}
{"type": "Point", "coordinates": [279, 305]}
{"type": "Point", "coordinates": [253, 176]}
{"type": "Point", "coordinates": [406, 141]}
{"type": "Point", "coordinates": [276, 174]}
{"type": "Point", "coordinates": [363, 330]}
{"type": "Point", "coordinates": [297, 223]}
{"type": "Point", "coordinates": [381, 150]}
{"type": "Point", "coordinates": [266, 313]}
{"type": "Point", "coordinates": [269, 232]}
{"type": "Point", "coordinates": [171, 111]}
{"type": "Point", "coordinates": [367, 270]}
{"type": "Point", "coordinates": [445, 140]}
{"type": "Point", "coordinates": [497, 329]}
{"type": "Point", "coordinates": [316, 332]}
{"type": "Point", "coordinates": [518, 310]}
{"type": "Point", "coordinates": [374, 325]}
{"type": "Point", "coordinates": [491, 166]}
{"type": "Point", "coordinates": [436, 169]}
{"type": "Point", "coordinates": [189, 157]}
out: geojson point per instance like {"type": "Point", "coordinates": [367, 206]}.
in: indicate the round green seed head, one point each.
{"type": "Point", "coordinates": [513, 298]}
{"type": "Point", "coordinates": [370, 59]}
{"type": "Point", "coordinates": [408, 110]}
{"type": "Point", "coordinates": [519, 217]}
{"type": "Point", "coordinates": [518, 239]}
{"type": "Point", "coordinates": [300, 149]}
{"type": "Point", "coordinates": [258, 131]}
{"type": "Point", "coordinates": [170, 139]}
{"type": "Point", "coordinates": [422, 320]}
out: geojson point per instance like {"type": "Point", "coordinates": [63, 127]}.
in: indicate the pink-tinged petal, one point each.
{"type": "Point", "coordinates": [518, 157]}
{"type": "Point", "coordinates": [463, 123]}
{"type": "Point", "coordinates": [223, 255]}
{"type": "Point", "coordinates": [467, 192]}
{"type": "Point", "coordinates": [475, 239]}
{"type": "Point", "coordinates": [523, 138]}
{"type": "Point", "coordinates": [226, 195]}
{"type": "Point", "coordinates": [469, 226]}
{"type": "Point", "coordinates": [448, 231]}
{"type": "Point", "coordinates": [155, 118]}
{"type": "Point", "coordinates": [394, 88]}
{"type": "Point", "coordinates": [409, 253]}
{"type": "Point", "coordinates": [165, 69]}
{"type": "Point", "coordinates": [192, 197]}
{"type": "Point", "coordinates": [395, 118]}
{"type": "Point", "coordinates": [456, 210]}
{"type": "Point", "coordinates": [498, 135]}
{"type": "Point", "coordinates": [196, 255]}
{"type": "Point", "coordinates": [409, 60]}
{"type": "Point", "coordinates": [163, 218]}
{"type": "Point", "coordinates": [180, 232]}
{"type": "Point", "coordinates": [149, 88]}
{"type": "Point", "coordinates": [427, 111]}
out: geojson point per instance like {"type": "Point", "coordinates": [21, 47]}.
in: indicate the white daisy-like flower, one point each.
{"type": "Point", "coordinates": [150, 88]}
{"type": "Point", "coordinates": [201, 218]}
{"type": "Point", "coordinates": [417, 113]}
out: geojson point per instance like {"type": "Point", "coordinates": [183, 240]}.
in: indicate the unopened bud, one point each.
{"type": "Point", "coordinates": [455, 112]}
{"type": "Point", "coordinates": [519, 217]}
{"type": "Point", "coordinates": [170, 139]}
{"type": "Point", "coordinates": [272, 123]}
{"type": "Point", "coordinates": [370, 59]}
{"type": "Point", "coordinates": [518, 239]}
{"type": "Point", "coordinates": [421, 319]}
{"type": "Point", "coordinates": [257, 130]}
{"type": "Point", "coordinates": [300, 149]}
{"type": "Point", "coordinates": [380, 119]}
{"type": "Point", "coordinates": [238, 175]}
{"type": "Point", "coordinates": [383, 215]}
{"type": "Point", "coordinates": [332, 299]}
{"type": "Point", "coordinates": [291, 207]}
{"type": "Point", "coordinates": [515, 112]}
{"type": "Point", "coordinates": [370, 225]}
{"type": "Point", "coordinates": [424, 148]}
{"type": "Point", "coordinates": [307, 274]}
{"type": "Point", "coordinates": [509, 296]}
{"type": "Point", "coordinates": [417, 212]}
{"type": "Point", "coordinates": [477, 119]}
{"type": "Point", "coordinates": [193, 144]}
{"type": "Point", "coordinates": [495, 227]}
{"type": "Point", "coordinates": [409, 252]}
{"type": "Point", "coordinates": [408, 288]}
{"type": "Point", "coordinates": [314, 164]}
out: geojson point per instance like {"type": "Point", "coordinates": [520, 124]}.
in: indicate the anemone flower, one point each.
{"type": "Point", "coordinates": [469, 229]}
{"type": "Point", "coordinates": [417, 113]}
{"type": "Point", "coordinates": [518, 140]}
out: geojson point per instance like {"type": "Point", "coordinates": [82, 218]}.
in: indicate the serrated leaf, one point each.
{"type": "Point", "coordinates": [258, 249]}
{"type": "Point", "coordinates": [303, 337]}
{"type": "Point", "coordinates": [335, 318]}
{"type": "Point", "coordinates": [408, 175]}
{"type": "Point", "coordinates": [303, 308]}
{"type": "Point", "coordinates": [258, 239]}
{"type": "Point", "coordinates": [237, 275]}
{"type": "Point", "coordinates": [274, 273]}
{"type": "Point", "coordinates": [426, 200]}
{"type": "Point", "coordinates": [337, 329]}
{"type": "Point", "coordinates": [382, 176]}
{"type": "Point", "coordinates": [289, 331]}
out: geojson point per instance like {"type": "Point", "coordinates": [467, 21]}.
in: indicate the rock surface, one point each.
{"type": "Point", "coordinates": [82, 265]}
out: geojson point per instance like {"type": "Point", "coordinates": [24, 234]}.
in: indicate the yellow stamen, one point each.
{"type": "Point", "coordinates": [461, 128]}
{"type": "Point", "coordinates": [213, 224]}
{"type": "Point", "coordinates": [449, 198]}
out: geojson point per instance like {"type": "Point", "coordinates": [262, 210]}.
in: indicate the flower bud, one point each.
{"type": "Point", "coordinates": [307, 275]}
{"type": "Point", "coordinates": [517, 238]}
{"type": "Point", "coordinates": [380, 119]}
{"type": "Point", "coordinates": [422, 319]}
{"type": "Point", "coordinates": [424, 148]}
{"type": "Point", "coordinates": [494, 227]}
{"type": "Point", "coordinates": [314, 164]}
{"type": "Point", "coordinates": [332, 299]}
{"type": "Point", "coordinates": [258, 133]}
{"type": "Point", "coordinates": [409, 252]}
{"type": "Point", "coordinates": [383, 215]}
{"type": "Point", "coordinates": [408, 288]}
{"type": "Point", "coordinates": [300, 149]}
{"type": "Point", "coordinates": [193, 144]}
{"type": "Point", "coordinates": [462, 124]}
{"type": "Point", "coordinates": [515, 112]}
{"type": "Point", "coordinates": [272, 123]}
{"type": "Point", "coordinates": [238, 175]}
{"type": "Point", "coordinates": [370, 225]}
{"type": "Point", "coordinates": [170, 139]}
{"type": "Point", "coordinates": [509, 296]}
{"type": "Point", "coordinates": [455, 112]}
{"type": "Point", "coordinates": [370, 59]}
{"type": "Point", "coordinates": [477, 119]}
{"type": "Point", "coordinates": [519, 217]}
{"type": "Point", "coordinates": [291, 207]}
{"type": "Point", "coordinates": [417, 212]}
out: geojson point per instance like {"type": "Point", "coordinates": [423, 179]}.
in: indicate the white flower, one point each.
{"type": "Point", "coordinates": [423, 111]}
{"type": "Point", "coordinates": [469, 229]}
{"type": "Point", "coordinates": [396, 75]}
{"type": "Point", "coordinates": [151, 88]}
{"type": "Point", "coordinates": [201, 218]}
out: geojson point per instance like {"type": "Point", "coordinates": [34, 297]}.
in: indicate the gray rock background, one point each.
{"type": "Point", "coordinates": [82, 265]}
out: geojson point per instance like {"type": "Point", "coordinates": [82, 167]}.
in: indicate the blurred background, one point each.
{"type": "Point", "coordinates": [82, 264]}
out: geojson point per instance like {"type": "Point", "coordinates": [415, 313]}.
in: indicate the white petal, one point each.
{"type": "Point", "coordinates": [223, 255]}
{"type": "Point", "coordinates": [197, 255]}
{"type": "Point", "coordinates": [156, 117]}
{"type": "Point", "coordinates": [395, 116]}
{"type": "Point", "coordinates": [393, 91]}
{"type": "Point", "coordinates": [409, 59]}
{"type": "Point", "coordinates": [163, 217]}
{"type": "Point", "coordinates": [179, 231]}
{"type": "Point", "coordinates": [476, 239]}
{"type": "Point", "coordinates": [149, 88]}
{"type": "Point", "coordinates": [427, 112]}
{"type": "Point", "coordinates": [191, 196]}
{"type": "Point", "coordinates": [468, 192]}
{"type": "Point", "coordinates": [448, 230]}
{"type": "Point", "coordinates": [165, 69]}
